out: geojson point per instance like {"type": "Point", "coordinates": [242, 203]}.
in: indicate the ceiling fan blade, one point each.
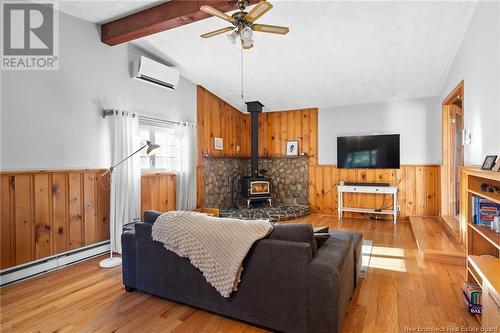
{"type": "Point", "coordinates": [216, 32]}
{"type": "Point", "coordinates": [274, 29]}
{"type": "Point", "coordinates": [218, 13]}
{"type": "Point", "coordinates": [260, 9]}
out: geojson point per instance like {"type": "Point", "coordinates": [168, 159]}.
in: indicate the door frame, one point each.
{"type": "Point", "coordinates": [448, 174]}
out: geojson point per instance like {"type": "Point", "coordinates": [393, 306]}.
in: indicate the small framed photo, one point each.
{"type": "Point", "coordinates": [218, 143]}
{"type": "Point", "coordinates": [292, 148]}
{"type": "Point", "coordinates": [489, 162]}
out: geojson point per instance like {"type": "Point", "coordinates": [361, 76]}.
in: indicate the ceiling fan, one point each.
{"type": "Point", "coordinates": [243, 22]}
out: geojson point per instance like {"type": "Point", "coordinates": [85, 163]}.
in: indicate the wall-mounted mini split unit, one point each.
{"type": "Point", "coordinates": [155, 73]}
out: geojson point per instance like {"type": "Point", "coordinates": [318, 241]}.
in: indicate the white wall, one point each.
{"type": "Point", "coordinates": [418, 121]}
{"type": "Point", "coordinates": [52, 119]}
{"type": "Point", "coordinates": [478, 64]}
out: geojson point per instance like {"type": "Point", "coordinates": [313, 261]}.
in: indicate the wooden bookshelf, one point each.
{"type": "Point", "coordinates": [482, 243]}
{"type": "Point", "coordinates": [488, 269]}
{"type": "Point", "coordinates": [486, 232]}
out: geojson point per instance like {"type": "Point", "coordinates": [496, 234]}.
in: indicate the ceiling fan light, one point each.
{"type": "Point", "coordinates": [246, 34]}
{"type": "Point", "coordinates": [232, 36]}
{"type": "Point", "coordinates": [247, 44]}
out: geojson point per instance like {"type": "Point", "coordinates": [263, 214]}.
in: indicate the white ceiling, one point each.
{"type": "Point", "coordinates": [336, 53]}
{"type": "Point", "coordinates": [103, 11]}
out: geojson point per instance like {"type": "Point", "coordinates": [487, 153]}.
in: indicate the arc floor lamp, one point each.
{"type": "Point", "coordinates": [117, 261]}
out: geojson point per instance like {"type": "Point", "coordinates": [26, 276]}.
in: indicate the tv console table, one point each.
{"type": "Point", "coordinates": [369, 190]}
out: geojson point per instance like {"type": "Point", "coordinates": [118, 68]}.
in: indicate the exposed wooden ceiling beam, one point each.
{"type": "Point", "coordinates": [168, 15]}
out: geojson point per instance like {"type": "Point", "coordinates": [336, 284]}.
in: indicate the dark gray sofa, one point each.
{"type": "Point", "coordinates": [288, 284]}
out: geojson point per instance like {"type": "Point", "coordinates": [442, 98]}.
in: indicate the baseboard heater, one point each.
{"type": "Point", "coordinates": [55, 262]}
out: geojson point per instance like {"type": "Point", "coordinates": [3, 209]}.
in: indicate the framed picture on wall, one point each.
{"type": "Point", "coordinates": [218, 143]}
{"type": "Point", "coordinates": [489, 162]}
{"type": "Point", "coordinates": [292, 148]}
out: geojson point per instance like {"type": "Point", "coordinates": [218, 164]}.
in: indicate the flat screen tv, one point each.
{"type": "Point", "coordinates": [369, 151]}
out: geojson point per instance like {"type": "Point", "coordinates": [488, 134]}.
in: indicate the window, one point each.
{"type": "Point", "coordinates": [167, 157]}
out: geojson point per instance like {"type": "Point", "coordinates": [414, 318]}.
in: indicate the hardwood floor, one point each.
{"type": "Point", "coordinates": [400, 290]}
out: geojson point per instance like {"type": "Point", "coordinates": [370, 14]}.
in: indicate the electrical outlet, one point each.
{"type": "Point", "coordinates": [399, 208]}
{"type": "Point", "coordinates": [237, 149]}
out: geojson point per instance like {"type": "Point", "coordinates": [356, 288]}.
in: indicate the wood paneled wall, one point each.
{"type": "Point", "coordinates": [158, 191]}
{"type": "Point", "coordinates": [276, 128]}
{"type": "Point", "coordinates": [216, 118]}
{"type": "Point", "coordinates": [418, 189]}
{"type": "Point", "coordinates": [418, 184]}
{"type": "Point", "coordinates": [48, 212]}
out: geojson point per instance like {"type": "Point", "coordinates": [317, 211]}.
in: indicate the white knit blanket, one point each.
{"type": "Point", "coordinates": [216, 246]}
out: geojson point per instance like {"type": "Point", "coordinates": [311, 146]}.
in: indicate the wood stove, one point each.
{"type": "Point", "coordinates": [256, 187]}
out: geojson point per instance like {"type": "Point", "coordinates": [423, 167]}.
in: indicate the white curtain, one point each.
{"type": "Point", "coordinates": [186, 175]}
{"type": "Point", "coordinates": [125, 180]}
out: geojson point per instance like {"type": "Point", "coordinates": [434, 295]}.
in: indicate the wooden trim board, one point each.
{"type": "Point", "coordinates": [452, 121]}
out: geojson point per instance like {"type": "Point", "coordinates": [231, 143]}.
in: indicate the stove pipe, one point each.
{"type": "Point", "coordinates": [254, 108]}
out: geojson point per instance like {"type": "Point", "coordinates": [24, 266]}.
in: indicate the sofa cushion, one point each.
{"type": "Point", "coordinates": [150, 216]}
{"type": "Point", "coordinates": [295, 233]}
{"type": "Point", "coordinates": [357, 239]}
{"type": "Point", "coordinates": [330, 280]}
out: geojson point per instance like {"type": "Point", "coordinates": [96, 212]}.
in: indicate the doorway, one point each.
{"type": "Point", "coordinates": [453, 157]}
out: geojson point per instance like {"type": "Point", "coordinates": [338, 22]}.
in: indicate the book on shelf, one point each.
{"type": "Point", "coordinates": [484, 211]}
{"type": "Point", "coordinates": [472, 295]}
{"type": "Point", "coordinates": [473, 292]}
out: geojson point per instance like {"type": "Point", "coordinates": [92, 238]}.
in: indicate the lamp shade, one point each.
{"type": "Point", "coordinates": [152, 148]}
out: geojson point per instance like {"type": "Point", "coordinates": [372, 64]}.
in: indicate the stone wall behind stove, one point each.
{"type": "Point", "coordinates": [290, 178]}
{"type": "Point", "coordinates": [222, 176]}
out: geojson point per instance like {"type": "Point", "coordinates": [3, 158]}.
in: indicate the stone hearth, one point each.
{"type": "Point", "coordinates": [289, 176]}
{"type": "Point", "coordinates": [275, 214]}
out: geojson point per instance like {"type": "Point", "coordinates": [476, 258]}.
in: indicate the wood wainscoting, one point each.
{"type": "Point", "coordinates": [50, 212]}
{"type": "Point", "coordinates": [158, 191]}
{"type": "Point", "coordinates": [44, 213]}
{"type": "Point", "coordinates": [418, 189]}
